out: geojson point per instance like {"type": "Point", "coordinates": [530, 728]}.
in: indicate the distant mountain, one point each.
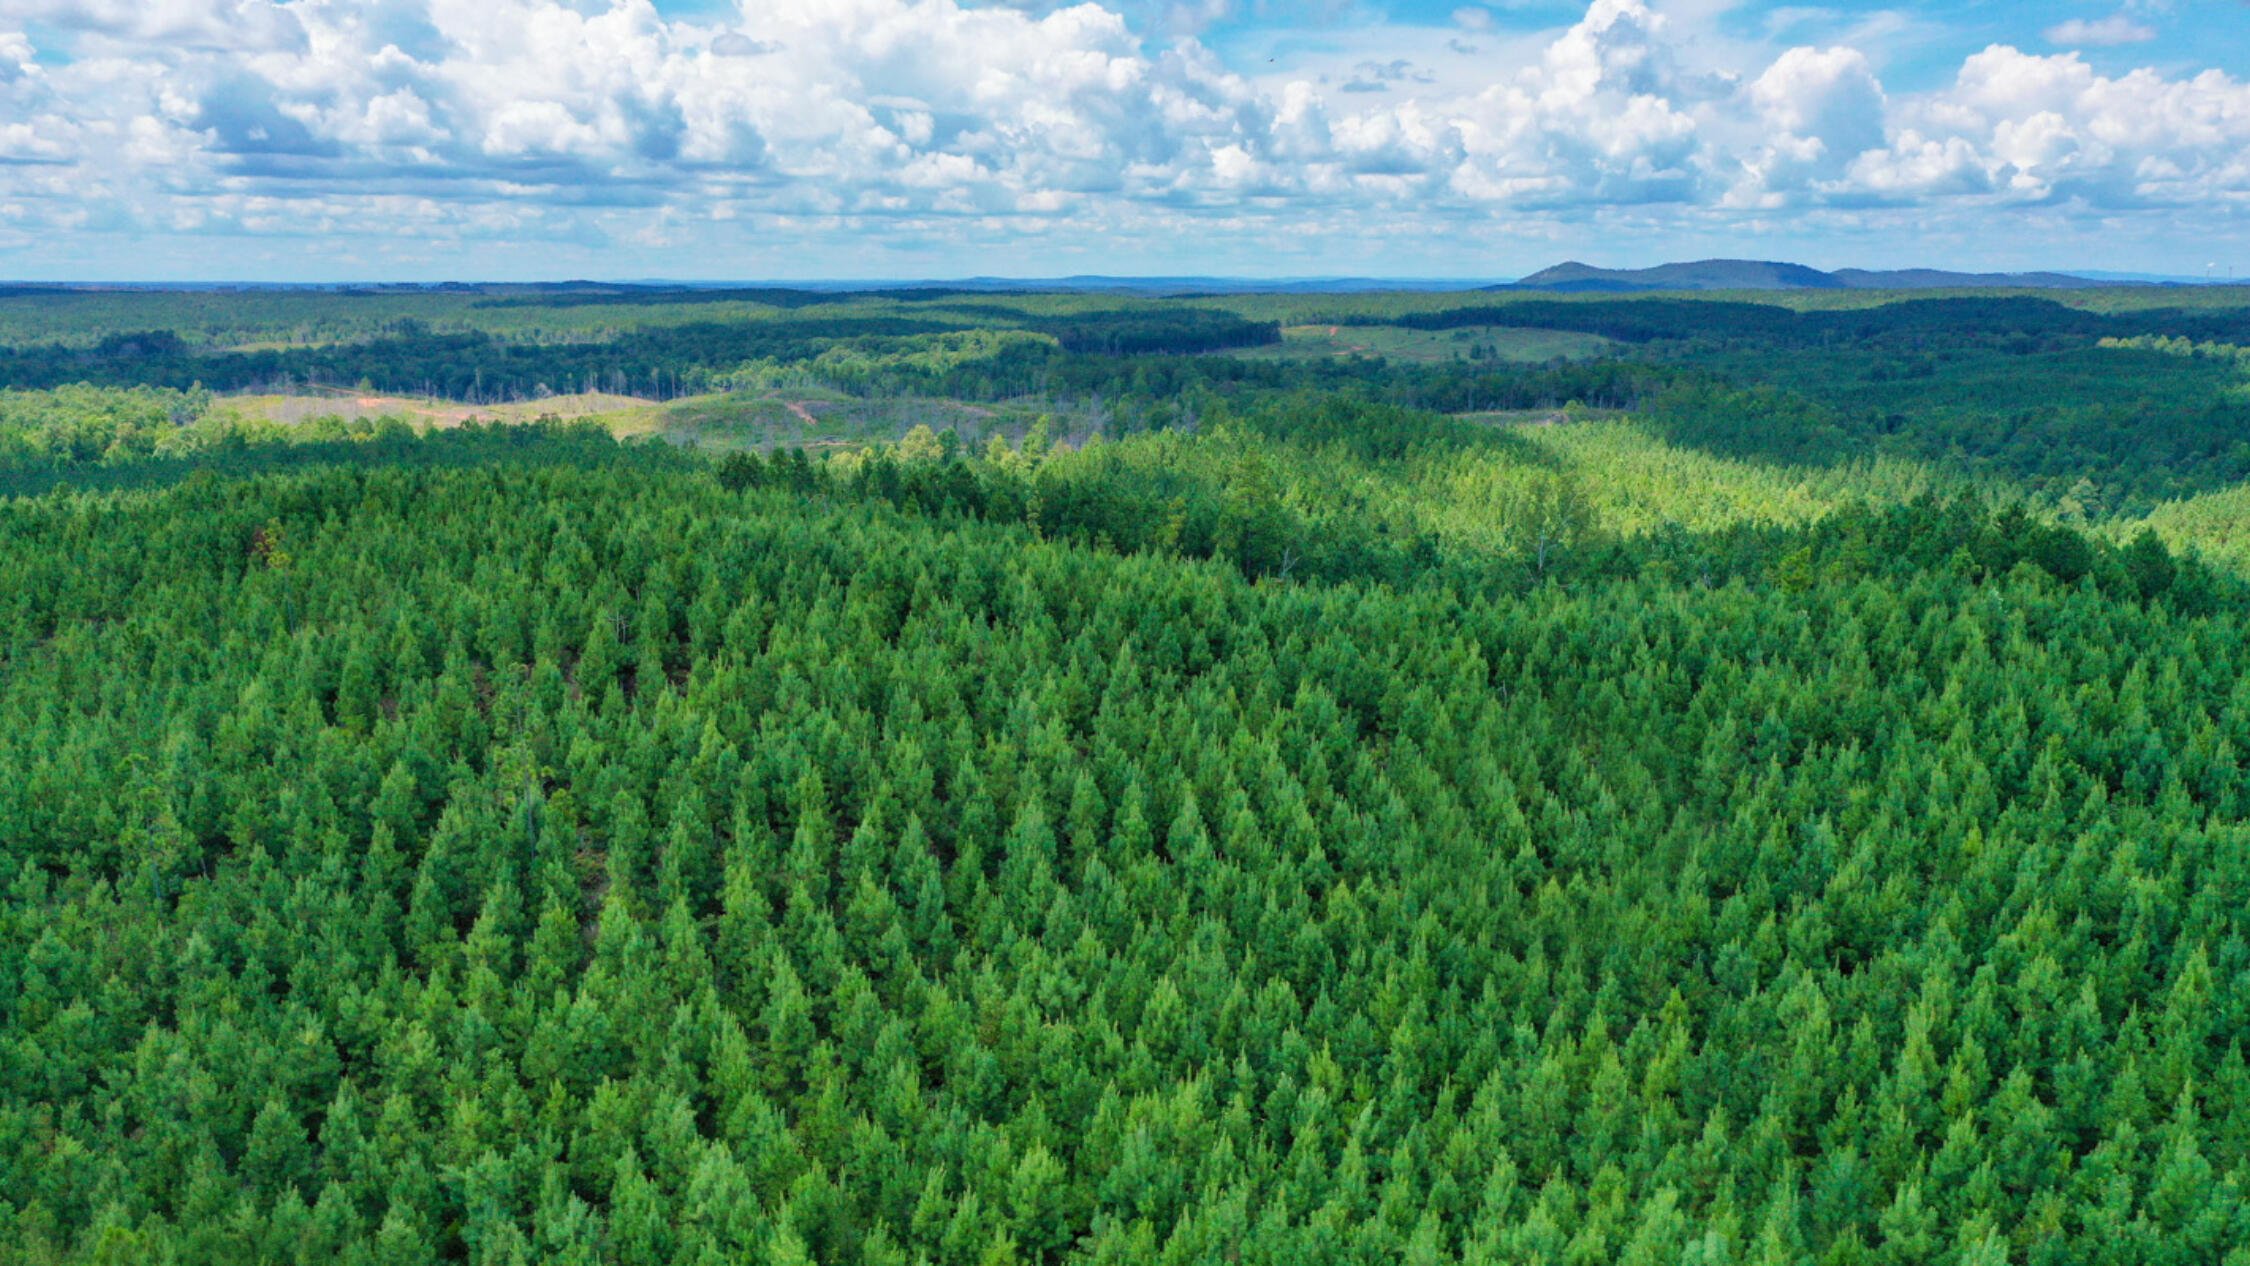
{"type": "Point", "coordinates": [1706, 274]}
{"type": "Point", "coordinates": [1747, 274]}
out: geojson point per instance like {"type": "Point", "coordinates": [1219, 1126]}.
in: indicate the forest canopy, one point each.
{"type": "Point", "coordinates": [1339, 809]}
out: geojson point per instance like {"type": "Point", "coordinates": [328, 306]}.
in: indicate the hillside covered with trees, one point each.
{"type": "Point", "coordinates": [1685, 805]}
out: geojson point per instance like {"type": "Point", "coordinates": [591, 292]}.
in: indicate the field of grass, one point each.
{"type": "Point", "coordinates": [293, 408]}
{"type": "Point", "coordinates": [799, 417]}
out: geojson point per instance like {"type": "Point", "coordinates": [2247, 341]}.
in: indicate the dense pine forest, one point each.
{"type": "Point", "coordinates": [938, 779]}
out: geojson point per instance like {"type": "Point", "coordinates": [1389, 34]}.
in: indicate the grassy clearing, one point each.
{"type": "Point", "coordinates": [803, 417]}
{"type": "Point", "coordinates": [351, 406]}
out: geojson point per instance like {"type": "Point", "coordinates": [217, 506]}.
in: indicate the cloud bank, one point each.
{"type": "Point", "coordinates": [918, 120]}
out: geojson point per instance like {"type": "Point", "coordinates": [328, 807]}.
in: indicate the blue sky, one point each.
{"type": "Point", "coordinates": [278, 140]}
{"type": "Point", "coordinates": [1928, 46]}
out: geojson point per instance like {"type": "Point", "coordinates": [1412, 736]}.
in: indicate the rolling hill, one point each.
{"type": "Point", "coordinates": [1744, 274]}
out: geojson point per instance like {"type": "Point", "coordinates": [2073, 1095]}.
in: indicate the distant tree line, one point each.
{"type": "Point", "coordinates": [658, 362]}
{"type": "Point", "coordinates": [2019, 323]}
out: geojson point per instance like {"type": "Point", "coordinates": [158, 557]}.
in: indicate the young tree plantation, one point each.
{"type": "Point", "coordinates": [930, 779]}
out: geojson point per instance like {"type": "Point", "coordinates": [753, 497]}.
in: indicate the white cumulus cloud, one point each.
{"type": "Point", "coordinates": [2106, 32]}
{"type": "Point", "coordinates": [584, 120]}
